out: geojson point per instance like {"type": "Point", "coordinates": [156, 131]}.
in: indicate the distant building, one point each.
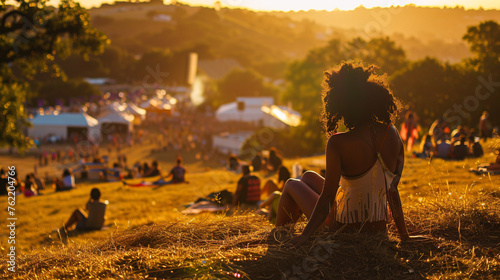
{"type": "Point", "coordinates": [230, 143]}
{"type": "Point", "coordinates": [259, 111]}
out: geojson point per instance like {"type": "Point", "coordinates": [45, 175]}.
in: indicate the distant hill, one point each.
{"type": "Point", "coordinates": [268, 41]}
{"type": "Point", "coordinates": [422, 31]}
{"type": "Point", "coordinates": [251, 38]}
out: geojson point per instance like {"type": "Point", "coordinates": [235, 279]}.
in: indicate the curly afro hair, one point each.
{"type": "Point", "coordinates": [357, 96]}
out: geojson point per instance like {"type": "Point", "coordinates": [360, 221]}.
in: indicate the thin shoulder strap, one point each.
{"type": "Point", "coordinates": [379, 156]}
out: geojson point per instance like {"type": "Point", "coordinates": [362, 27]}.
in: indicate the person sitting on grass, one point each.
{"type": "Point", "coordinates": [269, 207]}
{"type": "Point", "coordinates": [247, 193]}
{"type": "Point", "coordinates": [443, 148]}
{"type": "Point", "coordinates": [68, 179]}
{"type": "Point", "coordinates": [178, 172]}
{"type": "Point", "coordinates": [4, 183]}
{"type": "Point", "coordinates": [257, 162]}
{"type": "Point", "coordinates": [275, 160]}
{"type": "Point", "coordinates": [459, 149]}
{"type": "Point", "coordinates": [233, 163]}
{"type": "Point", "coordinates": [283, 175]}
{"type": "Point", "coordinates": [475, 148]}
{"type": "Point", "coordinates": [363, 165]}
{"type": "Point", "coordinates": [30, 186]}
{"type": "Point", "coordinates": [92, 218]}
{"type": "Point", "coordinates": [153, 171]}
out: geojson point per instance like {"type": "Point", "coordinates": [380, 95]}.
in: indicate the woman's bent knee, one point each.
{"type": "Point", "coordinates": [310, 176]}
{"type": "Point", "coordinates": [293, 185]}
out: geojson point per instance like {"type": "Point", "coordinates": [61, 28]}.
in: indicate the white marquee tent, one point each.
{"type": "Point", "coordinates": [63, 125]}
{"type": "Point", "coordinates": [258, 110]}
{"type": "Point", "coordinates": [115, 122]}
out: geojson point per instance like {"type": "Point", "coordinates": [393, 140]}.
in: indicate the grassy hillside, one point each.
{"type": "Point", "coordinates": [458, 212]}
{"type": "Point", "coordinates": [250, 37]}
{"type": "Point", "coordinates": [421, 31]}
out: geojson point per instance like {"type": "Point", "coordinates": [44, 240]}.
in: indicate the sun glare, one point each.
{"type": "Point", "coordinates": [297, 5]}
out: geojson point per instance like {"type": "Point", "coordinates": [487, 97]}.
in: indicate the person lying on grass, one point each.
{"type": "Point", "coordinates": [363, 165]}
{"type": "Point", "coordinates": [492, 168]}
{"type": "Point", "coordinates": [495, 166]}
{"type": "Point", "coordinates": [92, 218]}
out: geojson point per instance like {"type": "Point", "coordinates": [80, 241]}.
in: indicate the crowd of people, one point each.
{"type": "Point", "coordinates": [440, 141]}
{"type": "Point", "coordinates": [177, 175]}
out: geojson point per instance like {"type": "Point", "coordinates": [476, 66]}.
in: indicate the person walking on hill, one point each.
{"type": "Point", "coordinates": [409, 131]}
{"type": "Point", "coordinates": [484, 127]}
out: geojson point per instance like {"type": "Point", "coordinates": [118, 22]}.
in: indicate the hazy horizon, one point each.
{"type": "Point", "coordinates": [297, 5]}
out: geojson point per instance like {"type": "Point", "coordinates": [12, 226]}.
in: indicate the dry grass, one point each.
{"type": "Point", "coordinates": [457, 212]}
{"type": "Point", "coordinates": [462, 242]}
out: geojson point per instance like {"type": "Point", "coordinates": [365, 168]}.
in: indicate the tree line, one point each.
{"type": "Point", "coordinates": [457, 93]}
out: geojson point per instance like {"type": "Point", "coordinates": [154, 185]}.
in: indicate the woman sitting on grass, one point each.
{"type": "Point", "coordinates": [363, 165]}
{"type": "Point", "coordinates": [92, 218]}
{"type": "Point", "coordinates": [283, 175]}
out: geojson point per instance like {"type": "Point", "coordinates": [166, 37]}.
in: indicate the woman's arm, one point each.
{"type": "Point", "coordinates": [236, 195]}
{"type": "Point", "coordinates": [327, 197]}
{"type": "Point", "coordinates": [395, 200]}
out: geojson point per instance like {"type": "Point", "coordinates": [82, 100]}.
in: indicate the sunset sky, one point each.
{"type": "Point", "coordinates": [287, 5]}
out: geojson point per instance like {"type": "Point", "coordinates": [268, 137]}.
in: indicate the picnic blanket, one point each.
{"type": "Point", "coordinates": [203, 207]}
{"type": "Point", "coordinates": [147, 184]}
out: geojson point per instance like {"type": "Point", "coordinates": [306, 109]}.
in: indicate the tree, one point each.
{"type": "Point", "coordinates": [382, 52]}
{"type": "Point", "coordinates": [154, 67]}
{"type": "Point", "coordinates": [484, 41]}
{"type": "Point", "coordinates": [243, 83]}
{"type": "Point", "coordinates": [31, 34]}
{"type": "Point", "coordinates": [57, 89]}
{"type": "Point", "coordinates": [437, 90]}
{"type": "Point", "coordinates": [12, 115]}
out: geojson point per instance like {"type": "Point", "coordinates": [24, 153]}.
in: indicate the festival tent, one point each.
{"type": "Point", "coordinates": [114, 122]}
{"type": "Point", "coordinates": [64, 126]}
{"type": "Point", "coordinates": [230, 143]}
{"type": "Point", "coordinates": [249, 110]}
{"type": "Point", "coordinates": [281, 116]}
{"type": "Point", "coordinates": [127, 108]}
{"type": "Point", "coordinates": [258, 110]}
{"type": "Point", "coordinates": [137, 112]}
{"type": "Point", "coordinates": [157, 106]}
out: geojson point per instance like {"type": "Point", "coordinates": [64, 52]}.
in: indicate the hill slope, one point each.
{"type": "Point", "coordinates": [422, 31]}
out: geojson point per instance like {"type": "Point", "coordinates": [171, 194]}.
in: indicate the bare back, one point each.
{"type": "Point", "coordinates": [358, 150]}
